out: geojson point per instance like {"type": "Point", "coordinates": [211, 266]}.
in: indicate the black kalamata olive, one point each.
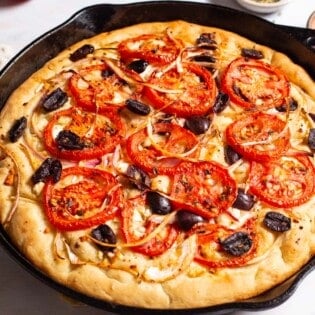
{"type": "Point", "coordinates": [311, 139]}
{"type": "Point", "coordinates": [138, 107]}
{"type": "Point", "coordinates": [55, 170]}
{"type": "Point", "coordinates": [42, 173]}
{"type": "Point", "coordinates": [197, 124]}
{"type": "Point", "coordinates": [17, 129]}
{"type": "Point", "coordinates": [293, 105]}
{"type": "Point", "coordinates": [238, 91]}
{"type": "Point", "coordinates": [230, 155]}
{"type": "Point", "coordinates": [276, 221]}
{"type": "Point", "coordinates": [204, 58]}
{"type": "Point", "coordinates": [68, 140]}
{"type": "Point", "coordinates": [138, 177]}
{"type": "Point", "coordinates": [107, 73]}
{"type": "Point", "coordinates": [158, 203]}
{"type": "Point", "coordinates": [252, 53]}
{"type": "Point", "coordinates": [81, 52]}
{"type": "Point", "coordinates": [312, 115]}
{"type": "Point", "coordinates": [50, 169]}
{"type": "Point", "coordinates": [207, 40]}
{"type": "Point", "coordinates": [237, 244]}
{"type": "Point", "coordinates": [211, 69]}
{"type": "Point", "coordinates": [186, 219]}
{"type": "Point", "coordinates": [54, 100]}
{"type": "Point", "coordinates": [138, 65]}
{"type": "Point", "coordinates": [243, 200]}
{"type": "Point", "coordinates": [220, 103]}
{"type": "Point", "coordinates": [104, 233]}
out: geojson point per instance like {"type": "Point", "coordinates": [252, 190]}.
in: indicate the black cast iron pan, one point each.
{"type": "Point", "coordinates": [295, 42]}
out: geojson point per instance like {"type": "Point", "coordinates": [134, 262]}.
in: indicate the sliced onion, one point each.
{"type": "Point", "coordinates": [163, 151]}
{"type": "Point", "coordinates": [18, 183]}
{"type": "Point", "coordinates": [167, 220]}
{"type": "Point", "coordinates": [119, 72]}
{"type": "Point", "coordinates": [73, 258]}
{"type": "Point", "coordinates": [269, 140]}
{"type": "Point", "coordinates": [173, 262]}
{"type": "Point", "coordinates": [276, 244]}
{"type": "Point", "coordinates": [31, 153]}
{"type": "Point", "coordinates": [59, 244]}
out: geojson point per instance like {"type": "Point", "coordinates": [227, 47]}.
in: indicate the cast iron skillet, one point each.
{"type": "Point", "coordinates": [295, 42]}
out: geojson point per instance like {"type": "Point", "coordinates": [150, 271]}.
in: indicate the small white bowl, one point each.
{"type": "Point", "coordinates": [263, 7]}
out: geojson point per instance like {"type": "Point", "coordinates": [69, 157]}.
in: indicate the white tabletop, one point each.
{"type": "Point", "coordinates": [20, 23]}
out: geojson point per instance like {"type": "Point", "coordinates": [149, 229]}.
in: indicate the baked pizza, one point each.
{"type": "Point", "coordinates": [165, 165]}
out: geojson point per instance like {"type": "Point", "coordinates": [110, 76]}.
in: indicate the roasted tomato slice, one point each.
{"type": "Point", "coordinates": [286, 182]}
{"type": "Point", "coordinates": [133, 210]}
{"type": "Point", "coordinates": [157, 49]}
{"type": "Point", "coordinates": [172, 139]}
{"type": "Point", "coordinates": [205, 188]}
{"type": "Point", "coordinates": [190, 92]}
{"type": "Point", "coordinates": [259, 136]}
{"type": "Point", "coordinates": [220, 247]}
{"type": "Point", "coordinates": [99, 88]}
{"type": "Point", "coordinates": [253, 83]}
{"type": "Point", "coordinates": [83, 197]}
{"type": "Point", "coordinates": [83, 135]}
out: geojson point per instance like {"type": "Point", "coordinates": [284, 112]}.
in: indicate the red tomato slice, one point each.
{"type": "Point", "coordinates": [82, 198]}
{"type": "Point", "coordinates": [98, 134]}
{"type": "Point", "coordinates": [157, 49]}
{"type": "Point", "coordinates": [155, 246]}
{"type": "Point", "coordinates": [172, 138]}
{"type": "Point", "coordinates": [191, 91]}
{"type": "Point", "coordinates": [259, 136]}
{"type": "Point", "coordinates": [98, 88]}
{"type": "Point", "coordinates": [209, 236]}
{"type": "Point", "coordinates": [205, 188]}
{"type": "Point", "coordinates": [286, 182]}
{"type": "Point", "coordinates": [253, 83]}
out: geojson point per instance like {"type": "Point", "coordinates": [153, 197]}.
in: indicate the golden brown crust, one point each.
{"type": "Point", "coordinates": [279, 255]}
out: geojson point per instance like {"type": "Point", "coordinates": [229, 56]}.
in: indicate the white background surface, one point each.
{"type": "Point", "coordinates": [20, 293]}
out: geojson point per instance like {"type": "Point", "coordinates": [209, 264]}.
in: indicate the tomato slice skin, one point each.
{"type": "Point", "coordinates": [252, 83]}
{"type": "Point", "coordinates": [258, 127]}
{"type": "Point", "coordinates": [198, 91]}
{"type": "Point", "coordinates": [208, 233]}
{"type": "Point", "coordinates": [204, 187]}
{"type": "Point", "coordinates": [98, 93]}
{"type": "Point", "coordinates": [108, 131]}
{"type": "Point", "coordinates": [157, 49]}
{"type": "Point", "coordinates": [67, 207]}
{"type": "Point", "coordinates": [283, 183]}
{"type": "Point", "coordinates": [156, 245]}
{"type": "Point", "coordinates": [148, 158]}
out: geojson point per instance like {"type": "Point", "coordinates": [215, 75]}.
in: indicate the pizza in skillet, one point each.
{"type": "Point", "coordinates": [164, 166]}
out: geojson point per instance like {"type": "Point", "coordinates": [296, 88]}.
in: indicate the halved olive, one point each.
{"type": "Point", "coordinates": [237, 244]}
{"type": "Point", "coordinates": [277, 221]}
{"type": "Point", "coordinates": [197, 124]}
{"type": "Point", "coordinates": [138, 107]}
{"type": "Point", "coordinates": [186, 219]}
{"type": "Point", "coordinates": [230, 155]}
{"type": "Point", "coordinates": [158, 203]}
{"type": "Point", "coordinates": [244, 201]}
{"type": "Point", "coordinates": [104, 233]}
{"type": "Point", "coordinates": [54, 100]}
{"type": "Point", "coordinates": [17, 129]}
{"type": "Point", "coordinates": [138, 65]}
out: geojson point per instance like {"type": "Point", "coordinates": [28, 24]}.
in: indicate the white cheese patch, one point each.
{"type": "Point", "coordinates": [161, 183]}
